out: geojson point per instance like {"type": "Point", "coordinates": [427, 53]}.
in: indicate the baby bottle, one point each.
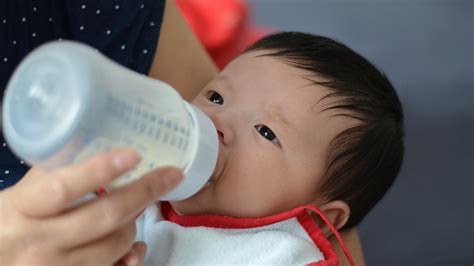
{"type": "Point", "coordinates": [66, 102]}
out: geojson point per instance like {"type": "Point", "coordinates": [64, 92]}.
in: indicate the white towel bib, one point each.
{"type": "Point", "coordinates": [288, 238]}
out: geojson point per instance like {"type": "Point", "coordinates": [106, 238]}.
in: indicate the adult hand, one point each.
{"type": "Point", "coordinates": [37, 226]}
{"type": "Point", "coordinates": [135, 256]}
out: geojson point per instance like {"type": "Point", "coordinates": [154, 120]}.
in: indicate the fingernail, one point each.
{"type": "Point", "coordinates": [125, 160]}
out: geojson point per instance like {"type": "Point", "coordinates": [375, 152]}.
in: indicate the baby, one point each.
{"type": "Point", "coordinates": [302, 120]}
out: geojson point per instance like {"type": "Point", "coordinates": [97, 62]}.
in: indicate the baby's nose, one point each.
{"type": "Point", "coordinates": [221, 135]}
{"type": "Point", "coordinates": [225, 127]}
{"type": "Point", "coordinates": [225, 136]}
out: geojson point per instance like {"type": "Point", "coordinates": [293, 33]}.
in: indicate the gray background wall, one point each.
{"type": "Point", "coordinates": [426, 48]}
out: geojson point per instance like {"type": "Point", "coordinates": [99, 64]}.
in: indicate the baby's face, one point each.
{"type": "Point", "coordinates": [273, 135]}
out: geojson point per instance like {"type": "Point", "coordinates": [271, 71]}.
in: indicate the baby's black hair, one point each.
{"type": "Point", "coordinates": [364, 160]}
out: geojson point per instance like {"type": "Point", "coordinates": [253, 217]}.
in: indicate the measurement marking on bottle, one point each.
{"type": "Point", "coordinates": [157, 134]}
{"type": "Point", "coordinates": [173, 140]}
{"type": "Point", "coordinates": [142, 128]}
{"type": "Point", "coordinates": [150, 132]}
{"type": "Point", "coordinates": [185, 148]}
{"type": "Point", "coordinates": [180, 143]}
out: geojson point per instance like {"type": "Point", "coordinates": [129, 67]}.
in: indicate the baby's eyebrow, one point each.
{"type": "Point", "coordinates": [225, 79]}
{"type": "Point", "coordinates": [276, 111]}
{"type": "Point", "coordinates": [282, 118]}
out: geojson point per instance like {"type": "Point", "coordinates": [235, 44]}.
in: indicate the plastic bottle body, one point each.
{"type": "Point", "coordinates": [66, 102]}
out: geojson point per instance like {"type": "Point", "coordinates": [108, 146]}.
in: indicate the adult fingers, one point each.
{"type": "Point", "coordinates": [140, 248]}
{"type": "Point", "coordinates": [106, 250]}
{"type": "Point", "coordinates": [104, 215]}
{"type": "Point", "coordinates": [135, 256]}
{"type": "Point", "coordinates": [44, 192]}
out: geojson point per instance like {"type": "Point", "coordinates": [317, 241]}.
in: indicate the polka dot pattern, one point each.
{"type": "Point", "coordinates": [126, 31]}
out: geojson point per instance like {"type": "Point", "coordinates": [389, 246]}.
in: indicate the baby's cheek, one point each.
{"type": "Point", "coordinates": [251, 185]}
{"type": "Point", "coordinates": [235, 194]}
{"type": "Point", "coordinates": [258, 195]}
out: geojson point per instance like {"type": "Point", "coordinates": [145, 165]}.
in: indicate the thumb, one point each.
{"type": "Point", "coordinates": [135, 256]}
{"type": "Point", "coordinates": [140, 248]}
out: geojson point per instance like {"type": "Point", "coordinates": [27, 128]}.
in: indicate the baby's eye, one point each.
{"type": "Point", "coordinates": [216, 98]}
{"type": "Point", "coordinates": [267, 133]}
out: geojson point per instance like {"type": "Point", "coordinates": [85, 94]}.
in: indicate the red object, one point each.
{"type": "Point", "coordinates": [101, 192]}
{"type": "Point", "coordinates": [223, 26]}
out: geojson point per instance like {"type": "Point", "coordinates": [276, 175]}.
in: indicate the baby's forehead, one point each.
{"type": "Point", "coordinates": [278, 84]}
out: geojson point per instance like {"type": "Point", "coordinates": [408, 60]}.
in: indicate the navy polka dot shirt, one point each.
{"type": "Point", "coordinates": [127, 31]}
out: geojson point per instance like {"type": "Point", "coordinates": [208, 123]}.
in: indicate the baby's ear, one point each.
{"type": "Point", "coordinates": [337, 213]}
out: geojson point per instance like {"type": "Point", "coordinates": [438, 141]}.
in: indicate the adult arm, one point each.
{"type": "Point", "coordinates": [180, 60]}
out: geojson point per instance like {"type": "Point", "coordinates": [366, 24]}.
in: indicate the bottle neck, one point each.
{"type": "Point", "coordinates": [201, 155]}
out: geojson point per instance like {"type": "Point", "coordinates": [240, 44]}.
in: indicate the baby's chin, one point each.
{"type": "Point", "coordinates": [199, 203]}
{"type": "Point", "coordinates": [203, 202]}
